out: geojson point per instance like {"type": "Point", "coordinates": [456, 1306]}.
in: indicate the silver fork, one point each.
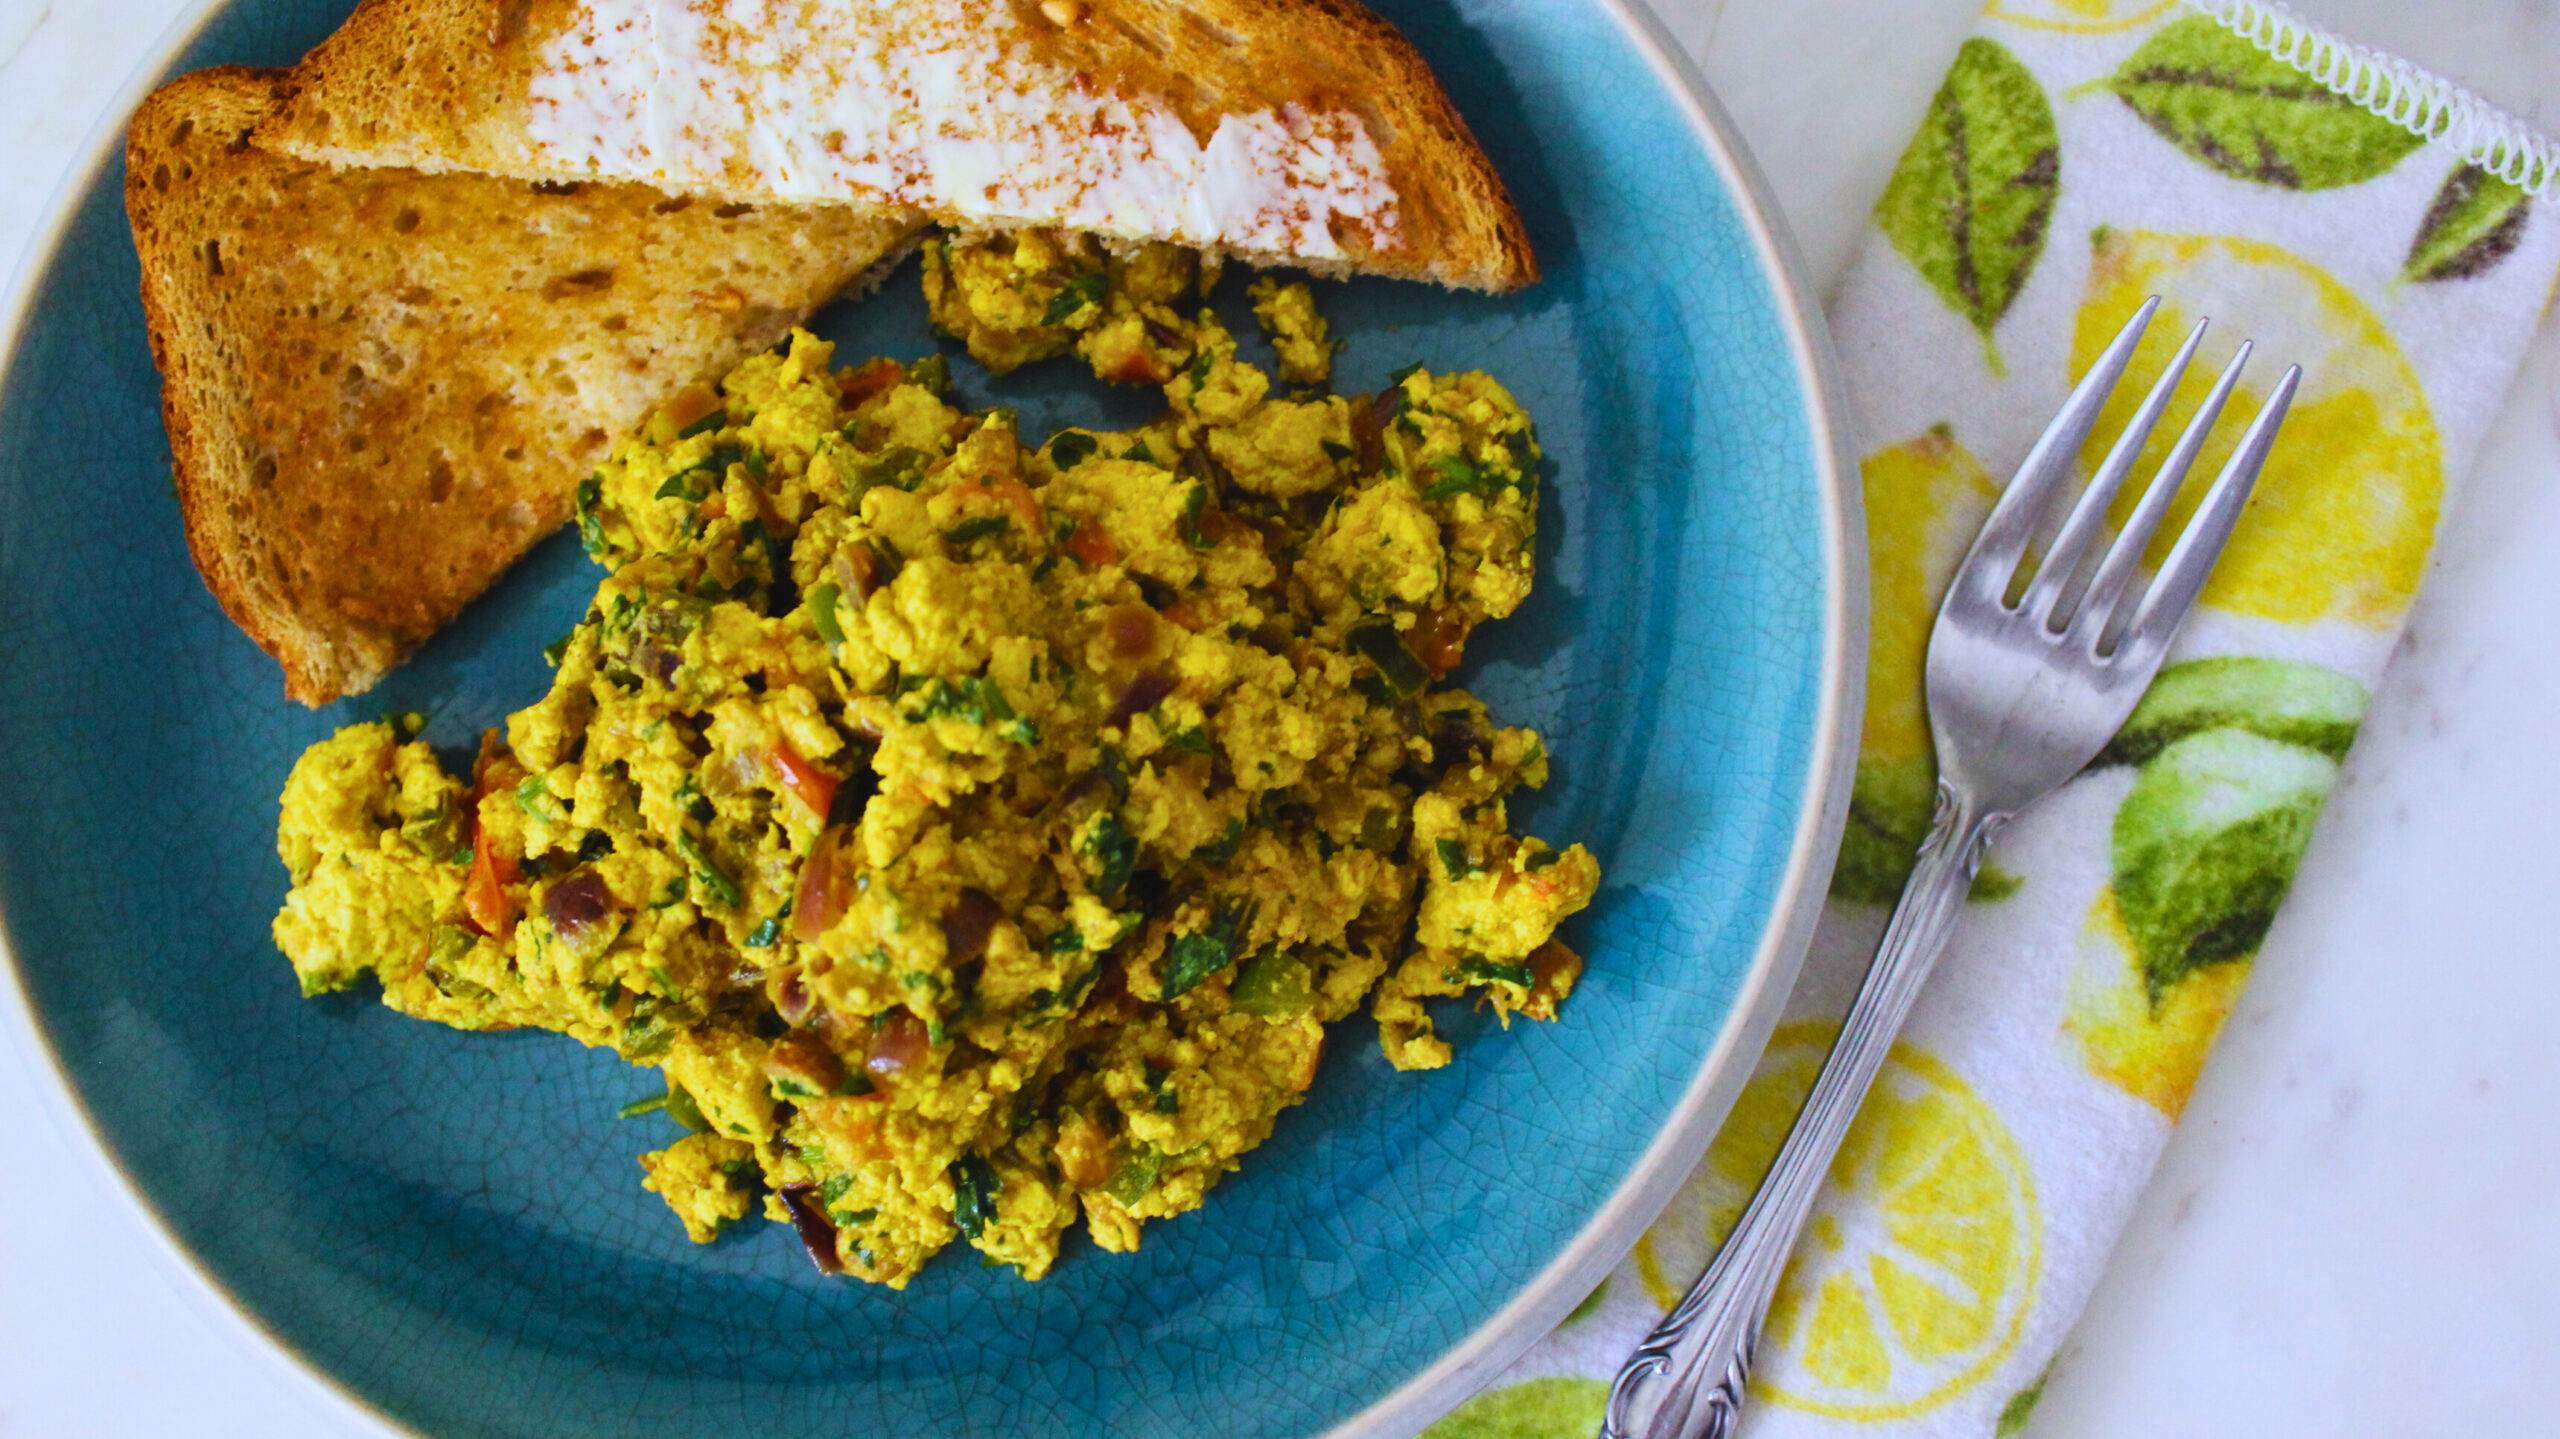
{"type": "Point", "coordinates": [2021, 697]}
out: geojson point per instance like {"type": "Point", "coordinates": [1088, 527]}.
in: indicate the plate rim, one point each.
{"type": "Point", "coordinates": [1464, 1368]}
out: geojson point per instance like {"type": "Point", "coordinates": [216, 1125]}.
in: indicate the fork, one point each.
{"type": "Point", "coordinates": [2023, 693]}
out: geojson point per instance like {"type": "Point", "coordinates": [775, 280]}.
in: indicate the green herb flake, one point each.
{"type": "Point", "coordinates": [590, 494]}
{"type": "Point", "coordinates": [974, 1187]}
{"type": "Point", "coordinates": [1380, 645]}
{"type": "Point", "coordinates": [1194, 505]}
{"type": "Point", "coordinates": [638, 1107]}
{"type": "Point", "coordinates": [1085, 290]}
{"type": "Point", "coordinates": [1453, 858]}
{"type": "Point", "coordinates": [1273, 985]}
{"type": "Point", "coordinates": [1458, 476]}
{"type": "Point", "coordinates": [1110, 842]}
{"type": "Point", "coordinates": [1478, 970]}
{"type": "Point", "coordinates": [722, 889]}
{"type": "Point", "coordinates": [531, 793]}
{"type": "Point", "coordinates": [1192, 958]}
{"type": "Point", "coordinates": [975, 528]}
{"type": "Point", "coordinates": [1070, 448]}
{"type": "Point", "coordinates": [1136, 1175]}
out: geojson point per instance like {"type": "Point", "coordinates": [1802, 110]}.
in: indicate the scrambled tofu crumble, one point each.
{"type": "Point", "coordinates": [981, 834]}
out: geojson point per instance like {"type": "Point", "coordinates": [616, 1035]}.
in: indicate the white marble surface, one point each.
{"type": "Point", "coordinates": [2350, 1234]}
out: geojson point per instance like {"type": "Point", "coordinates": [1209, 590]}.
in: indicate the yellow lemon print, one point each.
{"type": "Point", "coordinates": [2080, 17]}
{"type": "Point", "coordinates": [1925, 499]}
{"type": "Point", "coordinates": [2153, 1055]}
{"type": "Point", "coordinates": [2346, 510]}
{"type": "Point", "coordinates": [1916, 1272]}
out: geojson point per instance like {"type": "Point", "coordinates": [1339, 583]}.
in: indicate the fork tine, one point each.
{"type": "Point", "coordinates": [2182, 575]}
{"type": "Point", "coordinates": [2124, 557]}
{"type": "Point", "coordinates": [2089, 514]}
{"type": "Point", "coordinates": [1983, 578]}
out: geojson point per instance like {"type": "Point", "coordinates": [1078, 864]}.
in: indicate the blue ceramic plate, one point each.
{"type": "Point", "coordinates": [451, 1227]}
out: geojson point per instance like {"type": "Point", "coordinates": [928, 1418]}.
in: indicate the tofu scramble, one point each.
{"type": "Point", "coordinates": [978, 834]}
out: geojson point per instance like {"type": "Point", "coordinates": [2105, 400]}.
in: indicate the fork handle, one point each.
{"type": "Point", "coordinates": [1687, 1380]}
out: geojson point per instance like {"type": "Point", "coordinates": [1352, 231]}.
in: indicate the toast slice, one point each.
{"type": "Point", "coordinates": [382, 387]}
{"type": "Point", "coordinates": [1305, 132]}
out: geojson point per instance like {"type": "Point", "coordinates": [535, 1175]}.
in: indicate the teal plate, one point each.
{"type": "Point", "coordinates": [450, 1226]}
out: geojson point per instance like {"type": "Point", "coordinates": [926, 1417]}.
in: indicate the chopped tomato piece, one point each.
{"type": "Point", "coordinates": [815, 787]}
{"type": "Point", "coordinates": [1013, 494]}
{"type": "Point", "coordinates": [1091, 545]}
{"type": "Point", "coordinates": [875, 378]}
{"type": "Point", "coordinates": [484, 896]}
{"type": "Point", "coordinates": [691, 405]}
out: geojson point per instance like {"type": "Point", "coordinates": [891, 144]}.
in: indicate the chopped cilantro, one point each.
{"type": "Point", "coordinates": [1453, 858]}
{"type": "Point", "coordinates": [977, 527]}
{"type": "Point", "coordinates": [1111, 843]}
{"type": "Point", "coordinates": [974, 1187]}
{"type": "Point", "coordinates": [1458, 476]}
{"type": "Point", "coordinates": [1136, 1175]}
{"type": "Point", "coordinates": [1194, 505]}
{"type": "Point", "coordinates": [970, 698]}
{"type": "Point", "coordinates": [722, 888]}
{"type": "Point", "coordinates": [1273, 985]}
{"type": "Point", "coordinates": [1192, 958]}
{"type": "Point", "coordinates": [1380, 645]}
{"type": "Point", "coordinates": [1070, 448]}
{"type": "Point", "coordinates": [1484, 971]}
{"type": "Point", "coordinates": [590, 524]}
{"type": "Point", "coordinates": [1087, 288]}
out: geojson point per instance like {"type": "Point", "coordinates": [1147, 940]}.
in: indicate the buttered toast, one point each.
{"type": "Point", "coordinates": [382, 387]}
{"type": "Point", "coordinates": [1305, 132]}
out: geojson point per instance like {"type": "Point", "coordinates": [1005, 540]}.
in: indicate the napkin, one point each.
{"type": "Point", "coordinates": [2349, 213]}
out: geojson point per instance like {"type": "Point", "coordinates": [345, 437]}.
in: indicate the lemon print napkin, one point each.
{"type": "Point", "coordinates": [2351, 214]}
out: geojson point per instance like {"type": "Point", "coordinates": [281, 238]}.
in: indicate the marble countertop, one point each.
{"type": "Point", "coordinates": [2349, 1234]}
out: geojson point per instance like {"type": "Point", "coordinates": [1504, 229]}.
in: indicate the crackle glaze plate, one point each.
{"type": "Point", "coordinates": [450, 1227]}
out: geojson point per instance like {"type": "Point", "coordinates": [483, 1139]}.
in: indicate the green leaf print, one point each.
{"type": "Point", "coordinates": [2473, 223]}
{"type": "Point", "coordinates": [2252, 116]}
{"type": "Point", "coordinates": [1969, 204]}
{"type": "Point", "coordinates": [2206, 844]}
{"type": "Point", "coordinates": [2014, 1414]}
{"type": "Point", "coordinates": [2285, 700]}
{"type": "Point", "coordinates": [1564, 1407]}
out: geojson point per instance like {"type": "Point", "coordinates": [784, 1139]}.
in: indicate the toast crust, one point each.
{"type": "Point", "coordinates": [382, 387]}
{"type": "Point", "coordinates": [1076, 114]}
